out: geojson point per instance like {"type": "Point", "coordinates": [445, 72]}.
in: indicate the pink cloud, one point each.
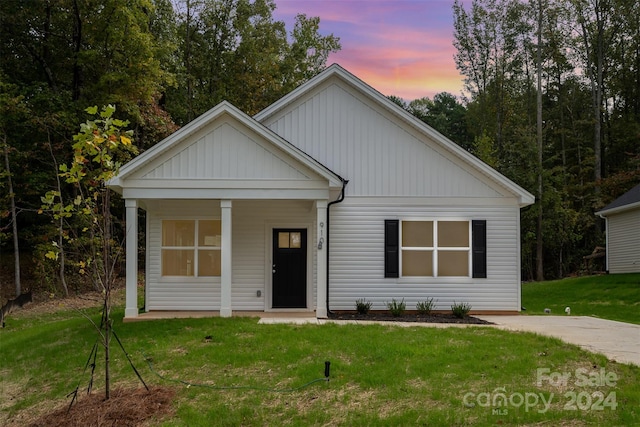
{"type": "Point", "coordinates": [399, 47]}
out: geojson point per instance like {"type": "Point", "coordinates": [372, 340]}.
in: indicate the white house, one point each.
{"type": "Point", "coordinates": [331, 194]}
{"type": "Point", "coordinates": [622, 219]}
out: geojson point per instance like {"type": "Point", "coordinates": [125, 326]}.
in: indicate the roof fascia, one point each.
{"type": "Point", "coordinates": [619, 209]}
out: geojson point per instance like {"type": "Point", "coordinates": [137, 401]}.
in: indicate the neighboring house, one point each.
{"type": "Point", "coordinates": [331, 194]}
{"type": "Point", "coordinates": [622, 218]}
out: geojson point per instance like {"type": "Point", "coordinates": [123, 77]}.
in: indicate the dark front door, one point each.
{"type": "Point", "coordinates": [289, 268]}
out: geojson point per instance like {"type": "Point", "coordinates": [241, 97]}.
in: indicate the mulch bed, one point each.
{"type": "Point", "coordinates": [125, 408]}
{"type": "Point", "coordinates": [410, 317]}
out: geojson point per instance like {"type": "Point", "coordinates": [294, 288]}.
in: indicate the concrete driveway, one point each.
{"type": "Point", "coordinates": [618, 341]}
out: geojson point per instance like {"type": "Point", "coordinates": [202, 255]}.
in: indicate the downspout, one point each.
{"type": "Point", "coordinates": [338, 200]}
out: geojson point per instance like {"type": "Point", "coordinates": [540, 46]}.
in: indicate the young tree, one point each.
{"type": "Point", "coordinates": [98, 150]}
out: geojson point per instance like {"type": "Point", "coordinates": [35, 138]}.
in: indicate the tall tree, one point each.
{"type": "Point", "coordinates": [12, 110]}
{"type": "Point", "coordinates": [490, 56]}
{"type": "Point", "coordinates": [539, 240]}
{"type": "Point", "coordinates": [597, 26]}
{"type": "Point", "coordinates": [445, 114]}
{"type": "Point", "coordinates": [234, 50]}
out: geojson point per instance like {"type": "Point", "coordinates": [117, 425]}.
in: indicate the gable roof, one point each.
{"type": "Point", "coordinates": [158, 152]}
{"type": "Point", "coordinates": [629, 200]}
{"type": "Point", "coordinates": [335, 71]}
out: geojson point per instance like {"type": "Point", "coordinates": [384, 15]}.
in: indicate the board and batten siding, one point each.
{"type": "Point", "coordinates": [623, 242]}
{"type": "Point", "coordinates": [357, 257]}
{"type": "Point", "coordinates": [252, 222]}
{"type": "Point", "coordinates": [376, 151]}
{"type": "Point", "coordinates": [224, 151]}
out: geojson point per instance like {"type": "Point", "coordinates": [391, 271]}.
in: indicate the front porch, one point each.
{"type": "Point", "coordinates": [245, 279]}
{"type": "Point", "coordinates": [225, 172]}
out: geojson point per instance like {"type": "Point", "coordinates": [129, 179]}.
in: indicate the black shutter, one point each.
{"type": "Point", "coordinates": [479, 248]}
{"type": "Point", "coordinates": [391, 238]}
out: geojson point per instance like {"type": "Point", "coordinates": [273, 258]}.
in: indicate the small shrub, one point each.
{"type": "Point", "coordinates": [425, 307]}
{"type": "Point", "coordinates": [363, 306]}
{"type": "Point", "coordinates": [396, 308]}
{"type": "Point", "coordinates": [460, 310]}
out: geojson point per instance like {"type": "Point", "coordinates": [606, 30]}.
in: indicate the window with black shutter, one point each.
{"type": "Point", "coordinates": [479, 248]}
{"type": "Point", "coordinates": [391, 254]}
{"type": "Point", "coordinates": [435, 248]}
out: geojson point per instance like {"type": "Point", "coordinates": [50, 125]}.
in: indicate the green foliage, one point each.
{"type": "Point", "coordinates": [446, 115]}
{"type": "Point", "coordinates": [363, 306]}
{"type": "Point", "coordinates": [234, 50]}
{"type": "Point", "coordinates": [460, 310]}
{"type": "Point", "coordinates": [396, 308]}
{"type": "Point", "coordinates": [425, 307]}
{"type": "Point", "coordinates": [98, 151]}
{"type": "Point", "coordinates": [498, 62]}
{"type": "Point", "coordinates": [484, 149]}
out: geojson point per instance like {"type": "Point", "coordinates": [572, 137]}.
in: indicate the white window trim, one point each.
{"type": "Point", "coordinates": [196, 247]}
{"type": "Point", "coordinates": [435, 248]}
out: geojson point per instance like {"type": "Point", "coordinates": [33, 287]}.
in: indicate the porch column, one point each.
{"type": "Point", "coordinates": [321, 258]}
{"type": "Point", "coordinates": [131, 306]}
{"type": "Point", "coordinates": [225, 279]}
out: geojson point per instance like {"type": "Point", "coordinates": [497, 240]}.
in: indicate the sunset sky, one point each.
{"type": "Point", "coordinates": [400, 47]}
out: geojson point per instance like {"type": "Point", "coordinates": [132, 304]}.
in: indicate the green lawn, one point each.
{"type": "Point", "coordinates": [611, 296]}
{"type": "Point", "coordinates": [380, 374]}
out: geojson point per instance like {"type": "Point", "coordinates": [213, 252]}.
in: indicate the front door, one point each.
{"type": "Point", "coordinates": [289, 268]}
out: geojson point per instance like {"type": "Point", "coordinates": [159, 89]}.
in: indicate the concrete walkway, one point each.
{"type": "Point", "coordinates": [616, 340]}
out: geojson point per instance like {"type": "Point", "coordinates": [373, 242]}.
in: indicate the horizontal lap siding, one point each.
{"type": "Point", "coordinates": [184, 294]}
{"type": "Point", "coordinates": [250, 251]}
{"type": "Point", "coordinates": [357, 259]}
{"type": "Point", "coordinates": [624, 242]}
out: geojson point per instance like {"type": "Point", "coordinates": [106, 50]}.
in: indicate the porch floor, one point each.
{"type": "Point", "coordinates": [265, 316]}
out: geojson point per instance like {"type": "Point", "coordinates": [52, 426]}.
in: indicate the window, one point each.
{"type": "Point", "coordinates": [191, 248]}
{"type": "Point", "coordinates": [429, 248]}
{"type": "Point", "coordinates": [289, 239]}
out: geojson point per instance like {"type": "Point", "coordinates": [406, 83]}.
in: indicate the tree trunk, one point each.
{"type": "Point", "coordinates": [14, 222]}
{"type": "Point", "coordinates": [77, 46]}
{"type": "Point", "coordinates": [539, 240]}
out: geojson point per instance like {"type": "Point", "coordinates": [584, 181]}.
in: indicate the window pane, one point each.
{"type": "Point", "coordinates": [177, 262]}
{"type": "Point", "coordinates": [417, 234]}
{"type": "Point", "coordinates": [453, 234]}
{"type": "Point", "coordinates": [453, 263]}
{"type": "Point", "coordinates": [294, 240]}
{"type": "Point", "coordinates": [283, 240]}
{"type": "Point", "coordinates": [178, 233]}
{"type": "Point", "coordinates": [208, 263]}
{"type": "Point", "coordinates": [417, 263]}
{"type": "Point", "coordinates": [209, 233]}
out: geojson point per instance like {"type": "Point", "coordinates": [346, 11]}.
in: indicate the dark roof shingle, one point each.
{"type": "Point", "coordinates": [628, 198]}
